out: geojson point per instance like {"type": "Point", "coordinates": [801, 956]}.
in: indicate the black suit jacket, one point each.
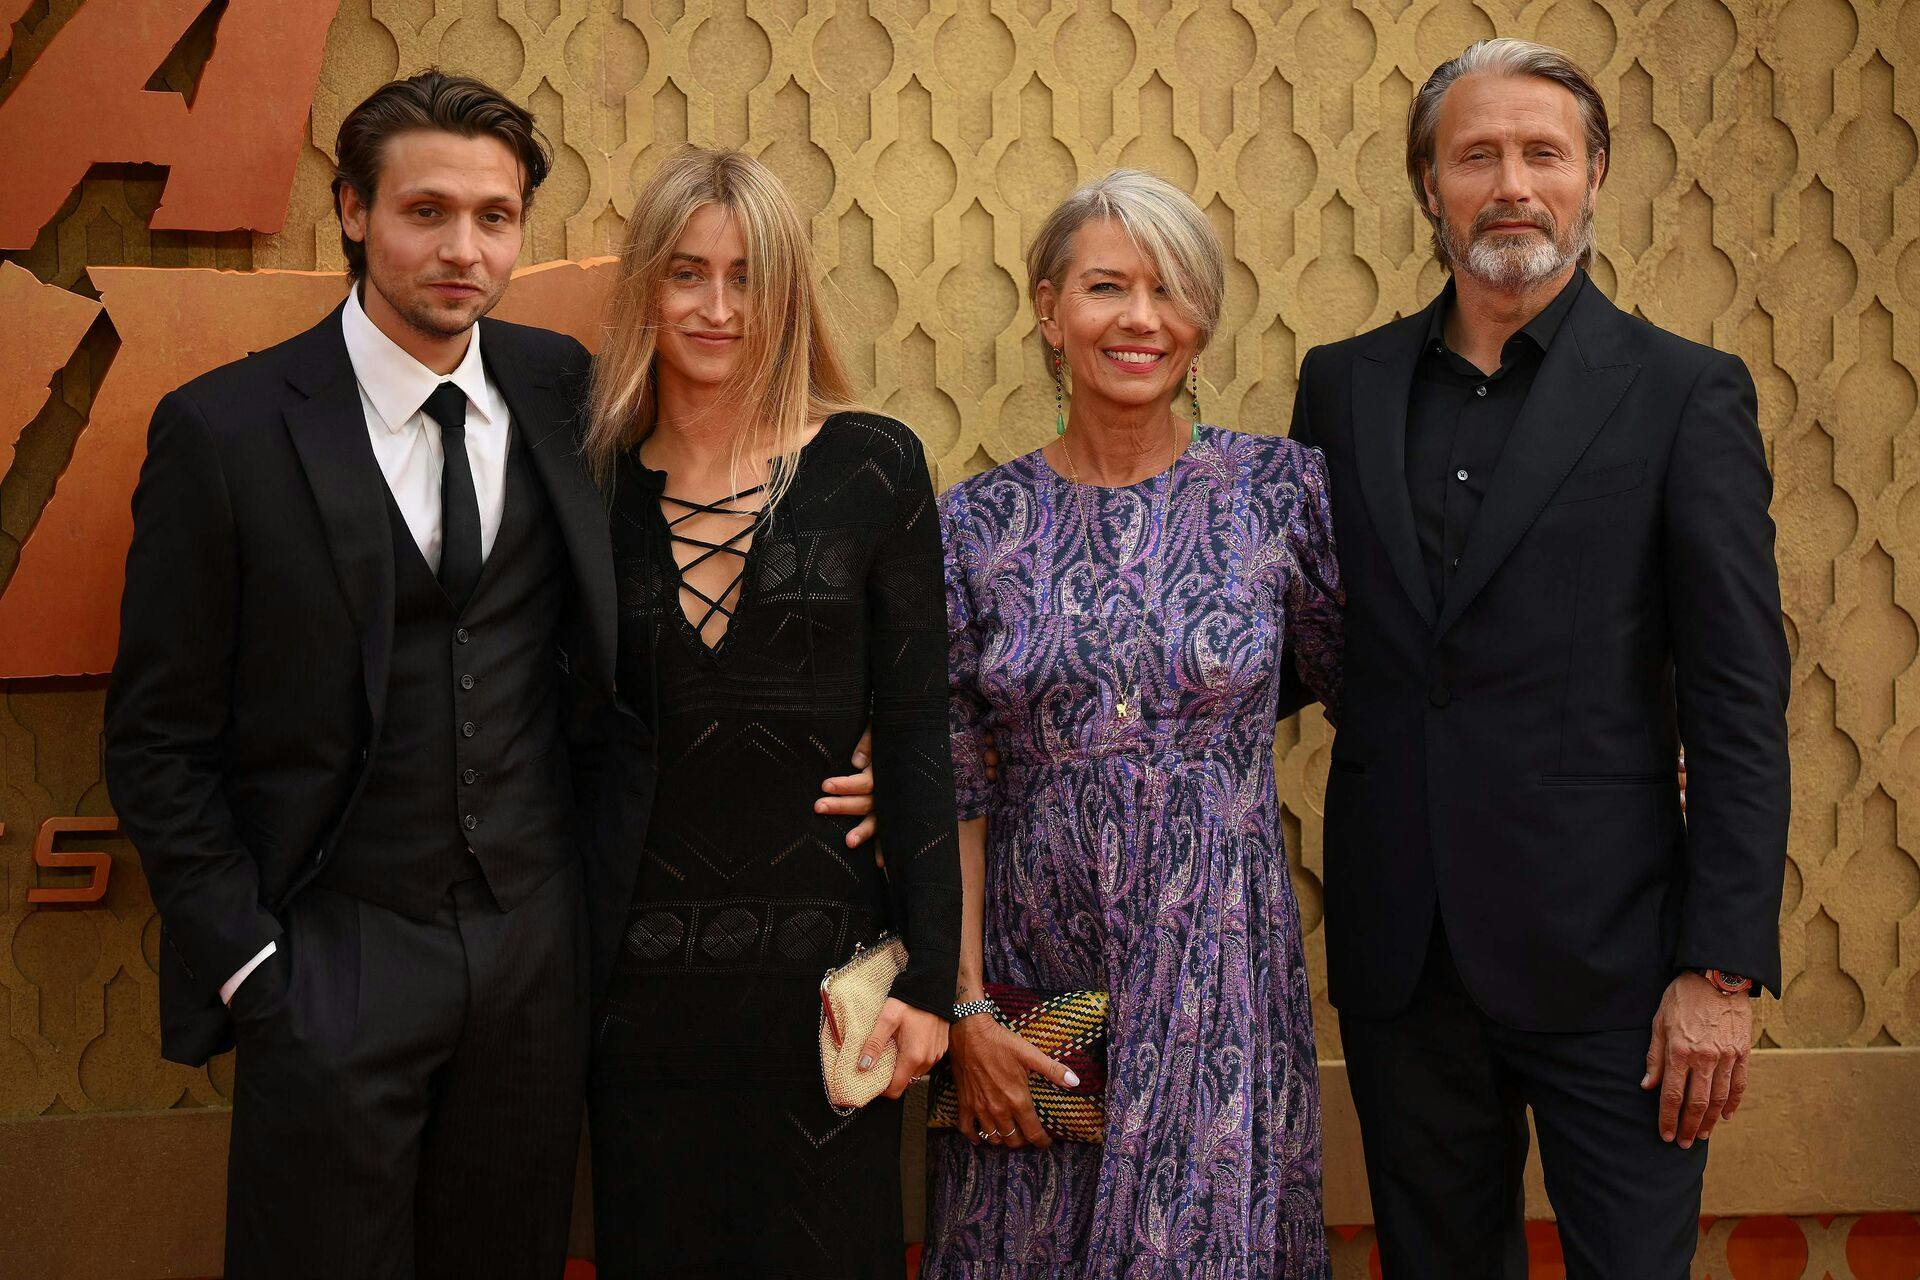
{"type": "Point", "coordinates": [1509, 754]}
{"type": "Point", "coordinates": [256, 627]}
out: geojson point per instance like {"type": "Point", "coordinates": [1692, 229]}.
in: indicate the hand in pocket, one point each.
{"type": "Point", "coordinates": [262, 995]}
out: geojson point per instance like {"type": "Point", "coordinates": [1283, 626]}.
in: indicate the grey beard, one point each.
{"type": "Point", "coordinates": [1506, 264]}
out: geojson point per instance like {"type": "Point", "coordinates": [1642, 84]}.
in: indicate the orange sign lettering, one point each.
{"type": "Point", "coordinates": [231, 151]}
{"type": "Point", "coordinates": [45, 324]}
{"type": "Point", "coordinates": [59, 614]}
{"type": "Point", "coordinates": [11, 11]}
{"type": "Point", "coordinates": [97, 865]}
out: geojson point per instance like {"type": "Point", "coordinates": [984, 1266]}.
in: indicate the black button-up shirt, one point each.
{"type": "Point", "coordinates": [1458, 420]}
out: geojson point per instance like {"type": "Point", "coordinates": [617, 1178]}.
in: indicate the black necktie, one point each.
{"type": "Point", "coordinates": [459, 507]}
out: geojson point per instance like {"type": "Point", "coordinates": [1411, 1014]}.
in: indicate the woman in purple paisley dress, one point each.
{"type": "Point", "coordinates": [1119, 604]}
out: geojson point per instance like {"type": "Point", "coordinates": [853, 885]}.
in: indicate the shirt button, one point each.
{"type": "Point", "coordinates": [1454, 563]}
{"type": "Point", "coordinates": [471, 822]}
{"type": "Point", "coordinates": [468, 776]}
{"type": "Point", "coordinates": [466, 682]}
{"type": "Point", "coordinates": [460, 635]}
{"type": "Point", "coordinates": [1461, 474]}
{"type": "Point", "coordinates": [467, 730]}
{"type": "Point", "coordinates": [1480, 390]}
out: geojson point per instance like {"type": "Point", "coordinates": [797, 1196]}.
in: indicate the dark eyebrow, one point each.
{"type": "Point", "coordinates": [431, 193]}
{"type": "Point", "coordinates": [700, 261]}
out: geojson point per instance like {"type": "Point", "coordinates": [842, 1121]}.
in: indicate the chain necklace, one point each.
{"type": "Point", "coordinates": [1129, 700]}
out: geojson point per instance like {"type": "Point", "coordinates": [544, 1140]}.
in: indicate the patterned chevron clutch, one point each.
{"type": "Point", "coordinates": [1067, 1026]}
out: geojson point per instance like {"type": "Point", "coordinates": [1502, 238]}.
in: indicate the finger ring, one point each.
{"type": "Point", "coordinates": [980, 1134]}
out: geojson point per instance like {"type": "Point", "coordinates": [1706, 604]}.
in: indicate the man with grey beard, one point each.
{"type": "Point", "coordinates": [1553, 530]}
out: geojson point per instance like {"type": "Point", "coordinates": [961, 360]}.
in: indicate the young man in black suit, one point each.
{"type": "Point", "coordinates": [369, 592]}
{"type": "Point", "coordinates": [1552, 524]}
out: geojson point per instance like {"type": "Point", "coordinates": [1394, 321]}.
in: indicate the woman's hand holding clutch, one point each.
{"type": "Point", "coordinates": [920, 1037]}
{"type": "Point", "coordinates": [990, 1065]}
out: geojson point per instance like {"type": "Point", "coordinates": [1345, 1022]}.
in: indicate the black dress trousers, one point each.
{"type": "Point", "coordinates": [1442, 1092]}
{"type": "Point", "coordinates": [408, 1093]}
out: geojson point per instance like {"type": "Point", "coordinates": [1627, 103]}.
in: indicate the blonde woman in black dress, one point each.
{"type": "Point", "coordinates": [778, 564]}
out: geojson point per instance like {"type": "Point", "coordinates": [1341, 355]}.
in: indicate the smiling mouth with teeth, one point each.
{"type": "Point", "coordinates": [1135, 357]}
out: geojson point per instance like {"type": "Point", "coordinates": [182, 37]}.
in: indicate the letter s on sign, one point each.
{"type": "Point", "coordinates": [98, 865]}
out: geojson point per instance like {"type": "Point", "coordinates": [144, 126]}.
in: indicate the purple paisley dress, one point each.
{"type": "Point", "coordinates": [1142, 854]}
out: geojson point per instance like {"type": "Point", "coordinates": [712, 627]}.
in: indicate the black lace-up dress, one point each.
{"type": "Point", "coordinates": [715, 1152]}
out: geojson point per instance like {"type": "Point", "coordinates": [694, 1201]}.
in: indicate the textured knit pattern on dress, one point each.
{"type": "Point", "coordinates": [706, 1052]}
{"type": "Point", "coordinates": [1142, 855]}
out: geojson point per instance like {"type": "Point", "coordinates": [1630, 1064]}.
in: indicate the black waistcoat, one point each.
{"type": "Point", "coordinates": [471, 764]}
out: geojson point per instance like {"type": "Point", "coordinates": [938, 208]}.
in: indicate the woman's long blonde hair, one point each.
{"type": "Point", "coordinates": [790, 368]}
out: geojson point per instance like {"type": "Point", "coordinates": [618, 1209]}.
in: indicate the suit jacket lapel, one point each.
{"type": "Point", "coordinates": [329, 431]}
{"type": "Point", "coordinates": [545, 419]}
{"type": "Point", "coordinates": [1382, 383]}
{"type": "Point", "coordinates": [1575, 391]}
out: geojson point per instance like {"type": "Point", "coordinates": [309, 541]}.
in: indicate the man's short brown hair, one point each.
{"type": "Point", "coordinates": [429, 100]}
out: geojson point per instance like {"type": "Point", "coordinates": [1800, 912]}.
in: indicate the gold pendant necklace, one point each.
{"type": "Point", "coordinates": [1127, 690]}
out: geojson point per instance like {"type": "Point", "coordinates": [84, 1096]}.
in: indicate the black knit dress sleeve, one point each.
{"type": "Point", "coordinates": [912, 761]}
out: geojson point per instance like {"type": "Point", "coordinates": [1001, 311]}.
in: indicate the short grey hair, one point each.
{"type": "Point", "coordinates": [1502, 57]}
{"type": "Point", "coordinates": [1162, 220]}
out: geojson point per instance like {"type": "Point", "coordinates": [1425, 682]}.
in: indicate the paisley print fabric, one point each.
{"type": "Point", "coordinates": [1142, 854]}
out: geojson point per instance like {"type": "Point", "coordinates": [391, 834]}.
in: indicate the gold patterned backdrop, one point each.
{"type": "Point", "coordinates": [1762, 198]}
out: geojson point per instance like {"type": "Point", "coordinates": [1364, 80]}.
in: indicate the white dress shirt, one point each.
{"type": "Point", "coordinates": [406, 442]}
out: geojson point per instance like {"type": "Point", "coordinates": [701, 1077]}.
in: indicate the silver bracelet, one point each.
{"type": "Point", "coordinates": [971, 1007]}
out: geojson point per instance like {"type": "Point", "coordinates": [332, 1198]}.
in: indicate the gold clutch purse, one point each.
{"type": "Point", "coordinates": [850, 1001]}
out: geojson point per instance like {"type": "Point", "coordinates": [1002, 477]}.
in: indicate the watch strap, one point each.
{"type": "Point", "coordinates": [1732, 984]}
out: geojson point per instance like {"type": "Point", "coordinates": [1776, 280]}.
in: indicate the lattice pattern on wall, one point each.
{"type": "Point", "coordinates": [1762, 197]}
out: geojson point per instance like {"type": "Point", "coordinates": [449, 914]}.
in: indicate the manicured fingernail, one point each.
{"type": "Point", "coordinates": [819, 806]}
{"type": "Point", "coordinates": [1646, 1079]}
{"type": "Point", "coordinates": [859, 761]}
{"type": "Point", "coordinates": [1073, 1081]}
{"type": "Point", "coordinates": [866, 1060]}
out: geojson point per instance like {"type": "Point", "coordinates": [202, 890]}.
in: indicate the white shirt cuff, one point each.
{"type": "Point", "coordinates": [233, 984]}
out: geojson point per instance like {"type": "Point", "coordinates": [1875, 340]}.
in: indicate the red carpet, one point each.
{"type": "Point", "coordinates": [1878, 1247]}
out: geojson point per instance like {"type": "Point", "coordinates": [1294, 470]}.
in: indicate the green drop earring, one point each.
{"type": "Point", "coordinates": [1059, 396]}
{"type": "Point", "coordinates": [1193, 389]}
